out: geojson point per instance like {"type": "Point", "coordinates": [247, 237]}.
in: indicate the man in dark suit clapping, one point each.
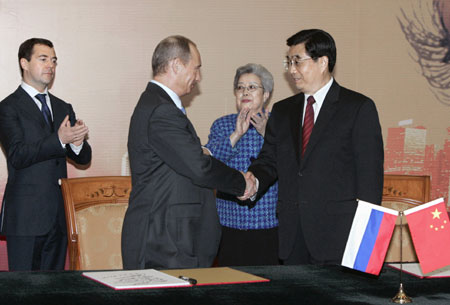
{"type": "Point", "coordinates": [172, 221]}
{"type": "Point", "coordinates": [324, 146]}
{"type": "Point", "coordinates": [37, 131]}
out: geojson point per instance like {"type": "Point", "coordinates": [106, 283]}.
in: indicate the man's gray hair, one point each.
{"type": "Point", "coordinates": [170, 48]}
{"type": "Point", "coordinates": [264, 75]}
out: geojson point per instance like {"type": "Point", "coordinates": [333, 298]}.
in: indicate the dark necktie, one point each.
{"type": "Point", "coordinates": [45, 111]}
{"type": "Point", "coordinates": [308, 123]}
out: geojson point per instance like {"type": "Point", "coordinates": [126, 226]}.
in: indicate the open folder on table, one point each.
{"type": "Point", "coordinates": [216, 276]}
{"type": "Point", "coordinates": [150, 278]}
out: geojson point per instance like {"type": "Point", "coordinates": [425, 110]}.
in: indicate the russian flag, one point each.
{"type": "Point", "coordinates": [369, 237]}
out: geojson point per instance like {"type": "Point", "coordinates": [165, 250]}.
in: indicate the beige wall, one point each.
{"type": "Point", "coordinates": [104, 49]}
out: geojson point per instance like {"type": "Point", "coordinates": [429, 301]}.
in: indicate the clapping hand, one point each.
{"type": "Point", "coordinates": [242, 121]}
{"type": "Point", "coordinates": [72, 134]}
{"type": "Point", "coordinates": [242, 125]}
{"type": "Point", "coordinates": [259, 120]}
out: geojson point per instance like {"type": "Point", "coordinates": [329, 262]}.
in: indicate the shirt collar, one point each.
{"type": "Point", "coordinates": [31, 90]}
{"type": "Point", "coordinates": [175, 98]}
{"type": "Point", "coordinates": [320, 95]}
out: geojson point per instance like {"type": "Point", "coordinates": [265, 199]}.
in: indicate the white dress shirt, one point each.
{"type": "Point", "coordinates": [32, 92]}
{"type": "Point", "coordinates": [319, 97]}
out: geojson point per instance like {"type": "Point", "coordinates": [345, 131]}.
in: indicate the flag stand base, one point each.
{"type": "Point", "coordinates": [401, 297]}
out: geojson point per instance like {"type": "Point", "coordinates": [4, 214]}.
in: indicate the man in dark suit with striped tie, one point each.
{"type": "Point", "coordinates": [324, 146]}
{"type": "Point", "coordinates": [37, 131]}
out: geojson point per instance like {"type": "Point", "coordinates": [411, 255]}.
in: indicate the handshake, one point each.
{"type": "Point", "coordinates": [251, 186]}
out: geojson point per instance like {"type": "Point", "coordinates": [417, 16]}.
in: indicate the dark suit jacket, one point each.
{"type": "Point", "coordinates": [343, 162]}
{"type": "Point", "coordinates": [171, 221]}
{"type": "Point", "coordinates": [36, 160]}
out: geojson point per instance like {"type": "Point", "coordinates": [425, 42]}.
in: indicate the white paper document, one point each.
{"type": "Point", "coordinates": [135, 279]}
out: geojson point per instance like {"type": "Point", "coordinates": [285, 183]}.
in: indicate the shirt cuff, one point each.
{"type": "Point", "coordinates": [76, 149]}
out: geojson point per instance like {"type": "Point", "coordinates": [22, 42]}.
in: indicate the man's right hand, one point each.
{"type": "Point", "coordinates": [68, 134]}
{"type": "Point", "coordinates": [250, 188]}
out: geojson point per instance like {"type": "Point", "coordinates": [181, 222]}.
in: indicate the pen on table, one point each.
{"type": "Point", "coordinates": [188, 279]}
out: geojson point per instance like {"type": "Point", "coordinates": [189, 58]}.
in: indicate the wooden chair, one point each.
{"type": "Point", "coordinates": [402, 192]}
{"type": "Point", "coordinates": [95, 208]}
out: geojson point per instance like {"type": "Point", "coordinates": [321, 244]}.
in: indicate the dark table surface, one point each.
{"type": "Point", "coordinates": [288, 285]}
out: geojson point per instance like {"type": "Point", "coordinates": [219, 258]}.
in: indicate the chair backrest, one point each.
{"type": "Point", "coordinates": [402, 192]}
{"type": "Point", "coordinates": [407, 186]}
{"type": "Point", "coordinates": [95, 208]}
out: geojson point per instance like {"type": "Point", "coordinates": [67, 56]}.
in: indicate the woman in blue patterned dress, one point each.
{"type": "Point", "coordinates": [249, 234]}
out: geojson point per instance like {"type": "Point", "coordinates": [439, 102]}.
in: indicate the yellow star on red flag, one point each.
{"type": "Point", "coordinates": [436, 214]}
{"type": "Point", "coordinates": [432, 245]}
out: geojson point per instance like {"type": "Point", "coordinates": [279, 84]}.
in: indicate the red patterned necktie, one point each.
{"type": "Point", "coordinates": [308, 123]}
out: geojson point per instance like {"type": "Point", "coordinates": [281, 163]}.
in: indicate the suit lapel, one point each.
{"type": "Point", "coordinates": [160, 91]}
{"type": "Point", "coordinates": [29, 107]}
{"type": "Point", "coordinates": [296, 114]}
{"type": "Point", "coordinates": [327, 110]}
{"type": "Point", "coordinates": [191, 127]}
{"type": "Point", "coordinates": [59, 112]}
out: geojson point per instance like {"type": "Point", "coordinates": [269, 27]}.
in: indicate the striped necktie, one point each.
{"type": "Point", "coordinates": [308, 123]}
{"type": "Point", "coordinates": [45, 110]}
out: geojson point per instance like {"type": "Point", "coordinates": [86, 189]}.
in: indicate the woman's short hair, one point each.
{"type": "Point", "coordinates": [264, 75]}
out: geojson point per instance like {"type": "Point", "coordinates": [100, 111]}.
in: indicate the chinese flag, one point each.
{"type": "Point", "coordinates": [430, 231]}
